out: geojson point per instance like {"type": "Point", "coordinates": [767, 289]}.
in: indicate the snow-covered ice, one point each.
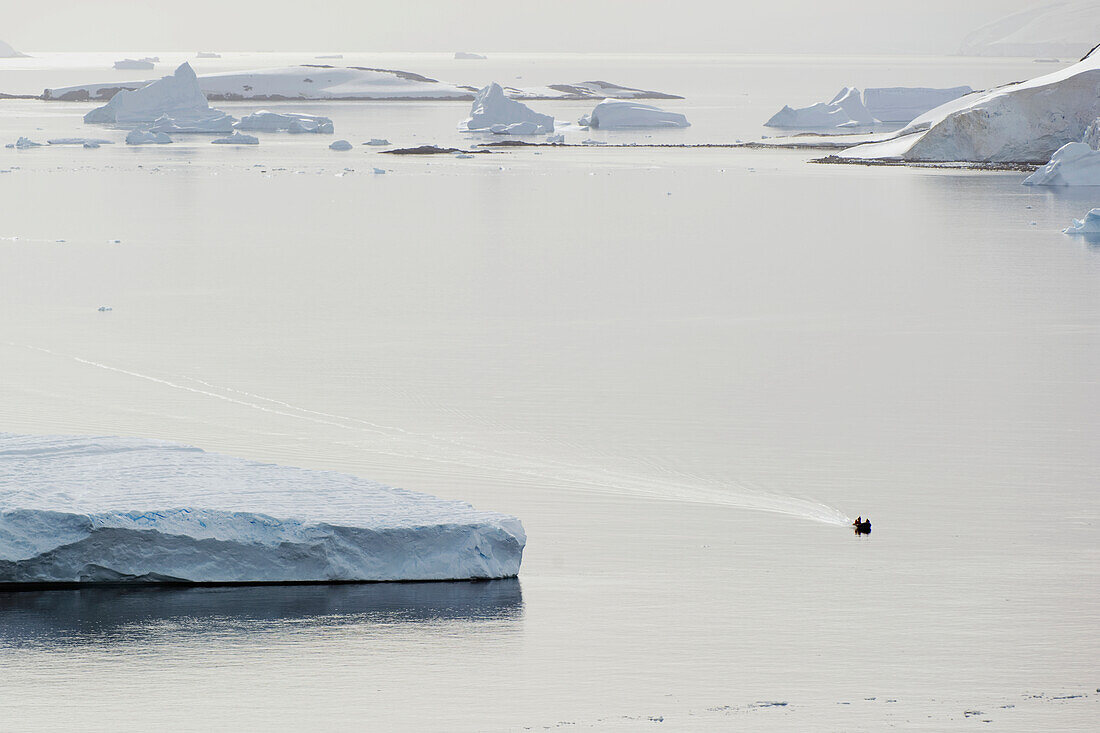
{"type": "Point", "coordinates": [144, 64]}
{"type": "Point", "coordinates": [491, 107]}
{"type": "Point", "coordinates": [340, 145]}
{"type": "Point", "coordinates": [1073, 164]}
{"type": "Point", "coordinates": [1061, 29]}
{"type": "Point", "coordinates": [905, 104]}
{"type": "Point", "coordinates": [237, 138]}
{"type": "Point", "coordinates": [1024, 122]}
{"type": "Point", "coordinates": [613, 114]}
{"type": "Point", "coordinates": [174, 103]}
{"type": "Point", "coordinates": [1089, 226]}
{"type": "Point", "coordinates": [86, 509]}
{"type": "Point", "coordinates": [147, 137]}
{"type": "Point", "coordinates": [265, 121]}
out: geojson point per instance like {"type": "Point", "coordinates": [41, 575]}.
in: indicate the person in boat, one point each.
{"type": "Point", "coordinates": [863, 526]}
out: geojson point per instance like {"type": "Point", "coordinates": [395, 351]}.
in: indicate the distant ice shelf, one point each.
{"type": "Point", "coordinates": [79, 509]}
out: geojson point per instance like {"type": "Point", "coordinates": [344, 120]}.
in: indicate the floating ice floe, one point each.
{"type": "Point", "coordinates": [96, 509]}
{"type": "Point", "coordinates": [340, 145]}
{"type": "Point", "coordinates": [1023, 122]}
{"type": "Point", "coordinates": [1089, 226]}
{"type": "Point", "coordinates": [102, 309]}
{"type": "Point", "coordinates": [23, 143]}
{"type": "Point", "coordinates": [207, 55]}
{"type": "Point", "coordinates": [555, 138]}
{"type": "Point", "coordinates": [614, 114]}
{"type": "Point", "coordinates": [147, 137]}
{"type": "Point", "coordinates": [467, 56]}
{"type": "Point", "coordinates": [294, 122]}
{"type": "Point", "coordinates": [79, 141]}
{"type": "Point", "coordinates": [144, 64]}
{"type": "Point", "coordinates": [1073, 164]}
{"type": "Point", "coordinates": [378, 141]}
{"type": "Point", "coordinates": [173, 103]}
{"type": "Point", "coordinates": [379, 171]}
{"type": "Point", "coordinates": [237, 138]}
{"type": "Point", "coordinates": [492, 108]}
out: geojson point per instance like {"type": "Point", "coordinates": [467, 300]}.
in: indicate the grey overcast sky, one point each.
{"type": "Point", "coordinates": [782, 26]}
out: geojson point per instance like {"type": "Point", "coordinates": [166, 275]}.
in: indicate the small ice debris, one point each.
{"type": "Point", "coordinates": [613, 114]}
{"type": "Point", "coordinates": [491, 107]}
{"type": "Point", "coordinates": [137, 64]}
{"type": "Point", "coordinates": [467, 56]}
{"type": "Point", "coordinates": [294, 122]}
{"type": "Point", "coordinates": [1089, 226]}
{"type": "Point", "coordinates": [378, 171]}
{"type": "Point", "coordinates": [340, 145]}
{"type": "Point", "coordinates": [104, 308]}
{"type": "Point", "coordinates": [378, 141]}
{"type": "Point", "coordinates": [237, 138]}
{"type": "Point", "coordinates": [463, 156]}
{"type": "Point", "coordinates": [147, 137]}
{"type": "Point", "coordinates": [555, 139]}
{"type": "Point", "coordinates": [593, 142]}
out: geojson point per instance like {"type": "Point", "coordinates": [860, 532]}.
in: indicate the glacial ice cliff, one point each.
{"type": "Point", "coordinates": [108, 509]}
{"type": "Point", "coordinates": [1023, 122]}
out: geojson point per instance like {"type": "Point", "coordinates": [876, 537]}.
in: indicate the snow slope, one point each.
{"type": "Point", "coordinates": [1060, 29]}
{"type": "Point", "coordinates": [321, 81]}
{"type": "Point", "coordinates": [79, 508]}
{"type": "Point", "coordinates": [1025, 122]}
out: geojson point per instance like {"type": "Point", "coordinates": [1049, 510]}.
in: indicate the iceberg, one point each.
{"type": "Point", "coordinates": [265, 121]}
{"type": "Point", "coordinates": [467, 56]}
{"type": "Point", "coordinates": [846, 109]}
{"type": "Point", "coordinates": [237, 138]}
{"type": "Point", "coordinates": [7, 52]}
{"type": "Point", "coordinates": [147, 137]}
{"type": "Point", "coordinates": [613, 114]}
{"type": "Point", "coordinates": [176, 97]}
{"type": "Point", "coordinates": [851, 108]}
{"type": "Point", "coordinates": [491, 108]}
{"type": "Point", "coordinates": [1073, 164]}
{"type": "Point", "coordinates": [216, 122]}
{"type": "Point", "coordinates": [207, 55]}
{"type": "Point", "coordinates": [378, 141]}
{"type": "Point", "coordinates": [340, 145]}
{"type": "Point", "coordinates": [1023, 122]}
{"type": "Point", "coordinates": [23, 143]}
{"type": "Point", "coordinates": [1088, 227]}
{"type": "Point", "coordinates": [79, 509]}
{"type": "Point", "coordinates": [79, 141]}
{"type": "Point", "coordinates": [136, 64]}
{"type": "Point", "coordinates": [1061, 29]}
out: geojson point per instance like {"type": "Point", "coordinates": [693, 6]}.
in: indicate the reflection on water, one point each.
{"type": "Point", "coordinates": [68, 617]}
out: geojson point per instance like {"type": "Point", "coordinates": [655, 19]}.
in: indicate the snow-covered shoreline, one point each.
{"type": "Point", "coordinates": [107, 509]}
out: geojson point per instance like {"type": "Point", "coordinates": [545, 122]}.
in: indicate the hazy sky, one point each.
{"type": "Point", "coordinates": [830, 26]}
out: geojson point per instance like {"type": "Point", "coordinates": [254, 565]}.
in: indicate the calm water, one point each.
{"type": "Point", "coordinates": [628, 349]}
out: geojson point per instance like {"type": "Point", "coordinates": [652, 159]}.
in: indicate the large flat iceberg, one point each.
{"type": "Point", "coordinates": [175, 103]}
{"type": "Point", "coordinates": [852, 108]}
{"type": "Point", "coordinates": [492, 110]}
{"type": "Point", "coordinates": [321, 81]}
{"type": "Point", "coordinates": [93, 509]}
{"type": "Point", "coordinates": [617, 114]}
{"type": "Point", "coordinates": [1024, 122]}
